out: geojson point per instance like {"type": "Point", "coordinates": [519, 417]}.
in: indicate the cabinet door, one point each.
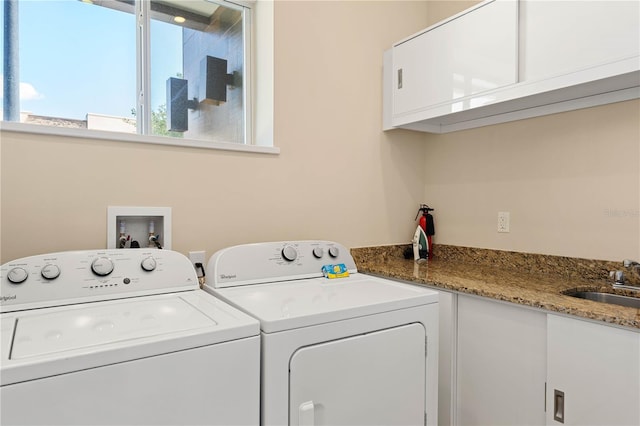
{"type": "Point", "coordinates": [500, 364]}
{"type": "Point", "coordinates": [473, 52]}
{"type": "Point", "coordinates": [372, 379]}
{"type": "Point", "coordinates": [447, 320]}
{"type": "Point", "coordinates": [563, 36]}
{"type": "Point", "coordinates": [596, 370]}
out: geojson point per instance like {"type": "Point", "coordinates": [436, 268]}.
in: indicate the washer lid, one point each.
{"type": "Point", "coordinates": [96, 325]}
{"type": "Point", "coordinates": [302, 303]}
{"type": "Point", "coordinates": [44, 342]}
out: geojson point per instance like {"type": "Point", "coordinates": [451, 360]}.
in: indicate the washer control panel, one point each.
{"type": "Point", "coordinates": [83, 276]}
{"type": "Point", "coordinates": [274, 261]}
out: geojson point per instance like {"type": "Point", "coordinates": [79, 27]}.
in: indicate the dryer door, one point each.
{"type": "Point", "coordinates": [374, 378]}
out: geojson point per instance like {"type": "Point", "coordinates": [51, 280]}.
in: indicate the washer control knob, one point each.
{"type": "Point", "coordinates": [318, 252]}
{"type": "Point", "coordinates": [102, 266]}
{"type": "Point", "coordinates": [148, 264]}
{"type": "Point", "coordinates": [17, 275]}
{"type": "Point", "coordinates": [50, 271]}
{"type": "Point", "coordinates": [334, 251]}
{"type": "Point", "coordinates": [289, 253]}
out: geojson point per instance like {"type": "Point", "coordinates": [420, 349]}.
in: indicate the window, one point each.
{"type": "Point", "coordinates": [172, 68]}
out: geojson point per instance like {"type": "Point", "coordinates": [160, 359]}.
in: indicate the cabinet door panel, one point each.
{"type": "Point", "coordinates": [597, 367]}
{"type": "Point", "coordinates": [472, 53]}
{"type": "Point", "coordinates": [501, 364]}
{"type": "Point", "coordinates": [563, 36]}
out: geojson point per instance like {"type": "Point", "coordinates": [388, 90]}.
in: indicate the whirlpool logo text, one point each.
{"type": "Point", "coordinates": [8, 298]}
{"type": "Point", "coordinates": [227, 277]}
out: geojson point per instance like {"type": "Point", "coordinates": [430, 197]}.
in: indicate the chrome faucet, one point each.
{"type": "Point", "coordinates": [619, 278]}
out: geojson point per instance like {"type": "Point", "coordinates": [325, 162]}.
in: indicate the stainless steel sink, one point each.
{"type": "Point", "coordinates": [616, 299]}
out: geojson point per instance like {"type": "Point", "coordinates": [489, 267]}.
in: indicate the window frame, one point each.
{"type": "Point", "coordinates": [143, 78]}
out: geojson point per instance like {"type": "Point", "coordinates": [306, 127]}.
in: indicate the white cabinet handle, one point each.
{"type": "Point", "coordinates": [306, 412]}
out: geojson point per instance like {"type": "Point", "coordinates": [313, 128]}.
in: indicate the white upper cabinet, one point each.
{"type": "Point", "coordinates": [506, 60]}
{"type": "Point", "coordinates": [569, 36]}
{"type": "Point", "coordinates": [476, 51]}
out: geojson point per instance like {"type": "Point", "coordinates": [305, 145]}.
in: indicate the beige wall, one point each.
{"type": "Point", "coordinates": [571, 181]}
{"type": "Point", "coordinates": [338, 175]}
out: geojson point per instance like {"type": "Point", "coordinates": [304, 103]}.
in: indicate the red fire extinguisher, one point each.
{"type": "Point", "coordinates": [427, 225]}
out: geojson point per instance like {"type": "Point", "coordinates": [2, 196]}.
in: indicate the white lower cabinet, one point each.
{"type": "Point", "coordinates": [504, 364]}
{"type": "Point", "coordinates": [501, 364]}
{"type": "Point", "coordinates": [447, 311]}
{"type": "Point", "coordinates": [593, 373]}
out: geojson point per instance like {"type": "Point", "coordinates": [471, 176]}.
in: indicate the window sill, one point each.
{"type": "Point", "coordinates": [127, 137]}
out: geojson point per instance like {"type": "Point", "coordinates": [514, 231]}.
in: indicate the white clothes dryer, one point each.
{"type": "Point", "coordinates": [357, 350]}
{"type": "Point", "coordinates": [122, 337]}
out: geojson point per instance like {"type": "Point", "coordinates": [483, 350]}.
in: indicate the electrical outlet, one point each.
{"type": "Point", "coordinates": [503, 221]}
{"type": "Point", "coordinates": [197, 257]}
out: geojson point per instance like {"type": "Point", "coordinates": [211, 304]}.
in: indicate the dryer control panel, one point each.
{"type": "Point", "coordinates": [274, 261]}
{"type": "Point", "coordinates": [87, 276]}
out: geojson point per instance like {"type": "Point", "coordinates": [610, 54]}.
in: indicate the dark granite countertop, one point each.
{"type": "Point", "coordinates": [537, 281]}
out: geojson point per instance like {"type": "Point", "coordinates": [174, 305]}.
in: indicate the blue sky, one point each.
{"type": "Point", "coordinates": [77, 58]}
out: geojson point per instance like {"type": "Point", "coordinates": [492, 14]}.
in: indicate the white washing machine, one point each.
{"type": "Point", "coordinates": [122, 337]}
{"type": "Point", "coordinates": [358, 350]}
